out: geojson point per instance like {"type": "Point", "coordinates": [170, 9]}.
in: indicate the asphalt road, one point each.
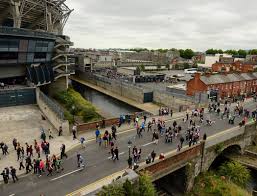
{"type": "Point", "coordinates": [98, 165]}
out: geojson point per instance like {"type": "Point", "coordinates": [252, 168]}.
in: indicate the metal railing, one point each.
{"type": "Point", "coordinates": [52, 105]}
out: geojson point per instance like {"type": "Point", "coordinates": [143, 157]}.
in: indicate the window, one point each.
{"type": "Point", "coordinates": [42, 44]}
{"type": "Point", "coordinates": [8, 55]}
{"type": "Point", "coordinates": [39, 55]}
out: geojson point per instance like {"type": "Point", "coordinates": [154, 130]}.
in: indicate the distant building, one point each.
{"type": "Point", "coordinates": [238, 66]}
{"type": "Point", "coordinates": [198, 57]}
{"type": "Point", "coordinates": [224, 85]}
{"type": "Point", "coordinates": [211, 59]}
{"type": "Point", "coordinates": [251, 58]}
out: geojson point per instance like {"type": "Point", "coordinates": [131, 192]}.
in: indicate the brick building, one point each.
{"type": "Point", "coordinates": [226, 85]}
{"type": "Point", "coordinates": [237, 66]}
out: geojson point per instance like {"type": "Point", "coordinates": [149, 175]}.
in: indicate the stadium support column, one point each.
{"type": "Point", "coordinates": [49, 23]}
{"type": "Point", "coordinates": [15, 10]}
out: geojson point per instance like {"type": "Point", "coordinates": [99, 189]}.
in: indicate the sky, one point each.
{"type": "Point", "coordinates": [195, 24]}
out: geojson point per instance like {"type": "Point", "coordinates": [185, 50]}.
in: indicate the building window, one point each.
{"type": "Point", "coordinates": [8, 55]}
{"type": "Point", "coordinates": [39, 55]}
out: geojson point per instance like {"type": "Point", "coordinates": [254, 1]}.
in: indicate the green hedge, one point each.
{"type": "Point", "coordinates": [83, 108]}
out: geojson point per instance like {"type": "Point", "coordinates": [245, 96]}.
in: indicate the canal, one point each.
{"type": "Point", "coordinates": [108, 106]}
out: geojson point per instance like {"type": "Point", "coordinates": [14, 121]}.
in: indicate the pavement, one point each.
{"type": "Point", "coordinates": [98, 163]}
{"type": "Point", "coordinates": [24, 123]}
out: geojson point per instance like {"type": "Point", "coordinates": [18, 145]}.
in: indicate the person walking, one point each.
{"type": "Point", "coordinates": [18, 151]}
{"type": "Point", "coordinates": [153, 155]}
{"type": "Point", "coordinates": [74, 130]}
{"type": "Point", "coordinates": [81, 162]}
{"type": "Point", "coordinates": [63, 154]}
{"type": "Point", "coordinates": [97, 133]}
{"type": "Point", "coordinates": [21, 162]}
{"type": "Point", "coordinates": [50, 134]}
{"type": "Point", "coordinates": [116, 152]}
{"type": "Point", "coordinates": [13, 174]}
{"type": "Point", "coordinates": [181, 141]}
{"type": "Point", "coordinates": [14, 142]}
{"type": "Point", "coordinates": [60, 131]}
{"type": "Point", "coordinates": [5, 178]}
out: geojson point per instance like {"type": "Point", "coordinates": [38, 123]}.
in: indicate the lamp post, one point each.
{"type": "Point", "coordinates": [73, 112]}
{"type": "Point", "coordinates": [129, 158]}
{"type": "Point", "coordinates": [129, 146]}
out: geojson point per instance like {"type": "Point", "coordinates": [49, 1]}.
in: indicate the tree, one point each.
{"type": "Point", "coordinates": [181, 52]}
{"type": "Point", "coordinates": [242, 53]}
{"type": "Point", "coordinates": [128, 188]}
{"type": "Point", "coordinates": [220, 51]}
{"type": "Point", "coordinates": [142, 187]}
{"type": "Point", "coordinates": [253, 52]}
{"type": "Point", "coordinates": [113, 189]}
{"type": "Point", "coordinates": [186, 65]}
{"type": "Point", "coordinates": [235, 172]}
{"type": "Point", "coordinates": [214, 51]}
{"type": "Point", "coordinates": [232, 52]}
{"type": "Point", "coordinates": [188, 54]}
{"type": "Point", "coordinates": [145, 186]}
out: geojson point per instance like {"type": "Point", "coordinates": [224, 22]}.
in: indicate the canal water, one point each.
{"type": "Point", "coordinates": [108, 106]}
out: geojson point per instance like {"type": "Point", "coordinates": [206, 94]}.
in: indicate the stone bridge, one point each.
{"type": "Point", "coordinates": [199, 158]}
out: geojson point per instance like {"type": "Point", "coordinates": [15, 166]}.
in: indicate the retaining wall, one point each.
{"type": "Point", "coordinates": [118, 87]}
{"type": "Point", "coordinates": [51, 115]}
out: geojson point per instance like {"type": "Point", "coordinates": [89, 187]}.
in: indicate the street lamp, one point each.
{"type": "Point", "coordinates": [129, 146]}
{"type": "Point", "coordinates": [129, 158]}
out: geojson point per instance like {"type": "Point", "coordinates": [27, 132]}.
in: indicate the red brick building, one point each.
{"type": "Point", "coordinates": [227, 85]}
{"type": "Point", "coordinates": [237, 66]}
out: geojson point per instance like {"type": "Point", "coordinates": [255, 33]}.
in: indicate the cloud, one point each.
{"type": "Point", "coordinates": [196, 24]}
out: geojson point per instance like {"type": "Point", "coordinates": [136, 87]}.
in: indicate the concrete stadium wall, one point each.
{"type": "Point", "coordinates": [51, 116]}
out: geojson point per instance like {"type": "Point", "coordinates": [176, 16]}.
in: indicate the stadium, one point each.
{"type": "Point", "coordinates": [33, 50]}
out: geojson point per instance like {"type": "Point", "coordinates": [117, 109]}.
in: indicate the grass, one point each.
{"type": "Point", "coordinates": [209, 184]}
{"type": "Point", "coordinates": [75, 104]}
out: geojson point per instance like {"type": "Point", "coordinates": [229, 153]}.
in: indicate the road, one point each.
{"type": "Point", "coordinates": [98, 164]}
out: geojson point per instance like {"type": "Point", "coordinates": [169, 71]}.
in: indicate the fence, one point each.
{"type": "Point", "coordinates": [51, 104]}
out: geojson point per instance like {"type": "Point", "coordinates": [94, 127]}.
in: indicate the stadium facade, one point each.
{"type": "Point", "coordinates": [33, 49]}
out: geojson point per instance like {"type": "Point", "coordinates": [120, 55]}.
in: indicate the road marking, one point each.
{"type": "Point", "coordinates": [119, 155]}
{"type": "Point", "coordinates": [147, 144]}
{"type": "Point", "coordinates": [66, 174]}
{"type": "Point", "coordinates": [12, 194]}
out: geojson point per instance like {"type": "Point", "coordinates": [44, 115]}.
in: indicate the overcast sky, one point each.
{"type": "Point", "coordinates": [196, 24]}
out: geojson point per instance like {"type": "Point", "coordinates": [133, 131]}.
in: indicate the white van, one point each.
{"type": "Point", "coordinates": [190, 71]}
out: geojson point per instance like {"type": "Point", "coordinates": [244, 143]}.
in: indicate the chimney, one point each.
{"type": "Point", "coordinates": [197, 75]}
{"type": "Point", "coordinates": [208, 74]}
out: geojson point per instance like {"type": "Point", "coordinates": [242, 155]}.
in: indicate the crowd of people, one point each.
{"type": "Point", "coordinates": [185, 132]}
{"type": "Point", "coordinates": [30, 157]}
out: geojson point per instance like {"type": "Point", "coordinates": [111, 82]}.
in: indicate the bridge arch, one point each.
{"type": "Point", "coordinates": [219, 153]}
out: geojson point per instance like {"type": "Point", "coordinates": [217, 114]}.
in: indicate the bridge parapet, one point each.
{"type": "Point", "coordinates": [173, 161]}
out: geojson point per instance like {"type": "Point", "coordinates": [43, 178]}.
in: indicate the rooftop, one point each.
{"type": "Point", "coordinates": [221, 78]}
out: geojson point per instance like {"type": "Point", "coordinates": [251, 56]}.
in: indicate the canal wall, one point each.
{"type": "Point", "coordinates": [178, 104]}
{"type": "Point", "coordinates": [118, 87]}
